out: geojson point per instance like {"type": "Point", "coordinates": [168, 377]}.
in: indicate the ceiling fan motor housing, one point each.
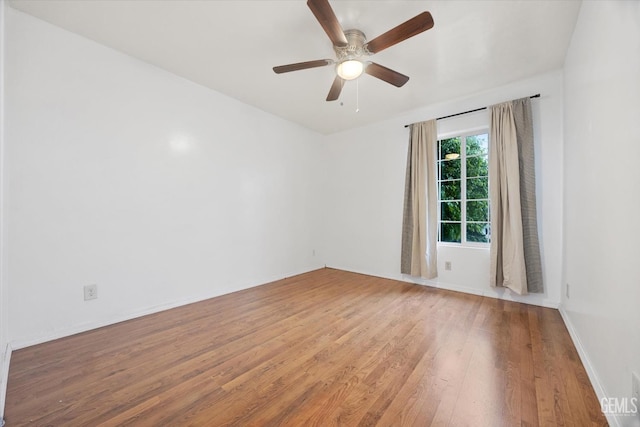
{"type": "Point", "coordinates": [355, 47]}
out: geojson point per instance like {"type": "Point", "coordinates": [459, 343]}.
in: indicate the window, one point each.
{"type": "Point", "coordinates": [463, 189]}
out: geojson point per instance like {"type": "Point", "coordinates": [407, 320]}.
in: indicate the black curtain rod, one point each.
{"type": "Point", "coordinates": [537, 95]}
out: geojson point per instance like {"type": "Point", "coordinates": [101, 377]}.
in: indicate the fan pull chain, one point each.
{"type": "Point", "coordinates": [357, 95]}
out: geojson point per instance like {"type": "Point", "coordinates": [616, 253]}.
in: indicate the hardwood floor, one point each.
{"type": "Point", "coordinates": [323, 348]}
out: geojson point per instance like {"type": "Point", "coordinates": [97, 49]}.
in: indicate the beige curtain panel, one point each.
{"type": "Point", "coordinates": [420, 222]}
{"type": "Point", "coordinates": [515, 249]}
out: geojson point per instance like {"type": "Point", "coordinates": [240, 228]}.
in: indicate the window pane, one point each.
{"type": "Point", "coordinates": [450, 190]}
{"type": "Point", "coordinates": [450, 211]}
{"type": "Point", "coordinates": [479, 232]}
{"type": "Point", "coordinates": [477, 145]}
{"type": "Point", "coordinates": [450, 169]}
{"type": "Point", "coordinates": [450, 232]}
{"type": "Point", "coordinates": [449, 146]}
{"type": "Point", "coordinates": [478, 188]}
{"type": "Point", "coordinates": [477, 166]}
{"type": "Point", "coordinates": [478, 210]}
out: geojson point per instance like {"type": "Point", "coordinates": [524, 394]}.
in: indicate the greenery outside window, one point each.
{"type": "Point", "coordinates": [463, 189]}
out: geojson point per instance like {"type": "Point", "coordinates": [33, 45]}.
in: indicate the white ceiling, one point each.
{"type": "Point", "coordinates": [231, 46]}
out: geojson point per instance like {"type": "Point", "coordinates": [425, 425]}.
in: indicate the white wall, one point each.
{"type": "Point", "coordinates": [602, 177]}
{"type": "Point", "coordinates": [5, 352]}
{"type": "Point", "coordinates": [365, 190]}
{"type": "Point", "coordinates": [156, 189]}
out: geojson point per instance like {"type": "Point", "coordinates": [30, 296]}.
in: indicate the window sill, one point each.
{"type": "Point", "coordinates": [484, 246]}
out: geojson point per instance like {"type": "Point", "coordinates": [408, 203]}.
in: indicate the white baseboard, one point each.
{"type": "Point", "coordinates": [506, 295]}
{"type": "Point", "coordinates": [6, 360]}
{"type": "Point", "coordinates": [99, 323]}
{"type": "Point", "coordinates": [588, 366]}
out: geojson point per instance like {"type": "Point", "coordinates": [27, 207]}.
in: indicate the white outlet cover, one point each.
{"type": "Point", "coordinates": [90, 292]}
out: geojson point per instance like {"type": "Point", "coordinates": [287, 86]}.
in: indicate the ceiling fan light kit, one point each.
{"type": "Point", "coordinates": [350, 69]}
{"type": "Point", "coordinates": [351, 47]}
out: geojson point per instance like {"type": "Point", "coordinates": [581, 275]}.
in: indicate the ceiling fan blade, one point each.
{"type": "Point", "coordinates": [410, 28]}
{"type": "Point", "coordinates": [336, 88]}
{"type": "Point", "coordinates": [386, 74]}
{"type": "Point", "coordinates": [327, 18]}
{"type": "Point", "coordinates": [302, 65]}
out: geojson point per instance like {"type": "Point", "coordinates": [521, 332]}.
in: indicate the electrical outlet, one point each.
{"type": "Point", "coordinates": [447, 265]}
{"type": "Point", "coordinates": [90, 292]}
{"type": "Point", "coordinates": [635, 387]}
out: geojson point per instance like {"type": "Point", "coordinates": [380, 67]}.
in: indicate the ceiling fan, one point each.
{"type": "Point", "coordinates": [351, 47]}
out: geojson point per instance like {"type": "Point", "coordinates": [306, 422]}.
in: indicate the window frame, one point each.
{"type": "Point", "coordinates": [463, 188]}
